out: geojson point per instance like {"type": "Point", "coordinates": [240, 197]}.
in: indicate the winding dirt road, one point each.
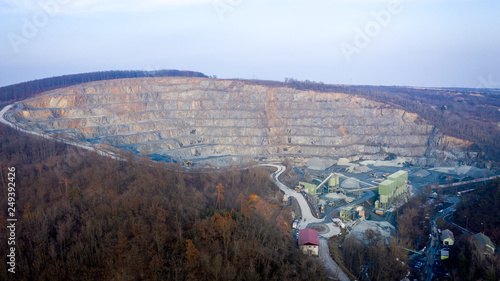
{"type": "Point", "coordinates": [330, 265]}
{"type": "Point", "coordinates": [6, 122]}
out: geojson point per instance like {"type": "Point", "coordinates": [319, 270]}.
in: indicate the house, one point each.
{"type": "Point", "coordinates": [309, 241]}
{"type": "Point", "coordinates": [445, 254]}
{"type": "Point", "coordinates": [484, 242]}
{"type": "Point", "coordinates": [447, 237]}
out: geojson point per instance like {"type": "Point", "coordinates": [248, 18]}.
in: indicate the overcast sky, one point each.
{"type": "Point", "coordinates": [440, 43]}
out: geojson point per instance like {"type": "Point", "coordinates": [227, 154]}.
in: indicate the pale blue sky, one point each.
{"type": "Point", "coordinates": [441, 43]}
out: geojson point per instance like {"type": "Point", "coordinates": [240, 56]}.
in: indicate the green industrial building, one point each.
{"type": "Point", "coordinates": [392, 188]}
{"type": "Point", "coordinates": [347, 214]}
{"type": "Point", "coordinates": [309, 187]}
{"type": "Point", "coordinates": [333, 184]}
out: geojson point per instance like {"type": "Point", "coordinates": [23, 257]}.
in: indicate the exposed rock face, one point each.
{"type": "Point", "coordinates": [197, 118]}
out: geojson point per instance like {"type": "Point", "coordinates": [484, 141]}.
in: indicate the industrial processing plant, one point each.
{"type": "Point", "coordinates": [391, 189]}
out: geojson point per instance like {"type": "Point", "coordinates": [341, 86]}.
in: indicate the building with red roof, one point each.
{"type": "Point", "coordinates": [309, 241]}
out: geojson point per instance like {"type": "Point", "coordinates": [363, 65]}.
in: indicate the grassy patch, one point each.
{"type": "Point", "coordinates": [339, 239]}
{"type": "Point", "coordinates": [337, 256]}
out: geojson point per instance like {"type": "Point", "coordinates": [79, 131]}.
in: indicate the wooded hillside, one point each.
{"type": "Point", "coordinates": [478, 210]}
{"type": "Point", "coordinates": [86, 217]}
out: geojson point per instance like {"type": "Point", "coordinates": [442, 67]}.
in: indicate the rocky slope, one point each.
{"type": "Point", "coordinates": [224, 120]}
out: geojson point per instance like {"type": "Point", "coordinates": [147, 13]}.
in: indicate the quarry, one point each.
{"type": "Point", "coordinates": [205, 122]}
{"type": "Point", "coordinates": [344, 163]}
{"type": "Point", "coordinates": [224, 122]}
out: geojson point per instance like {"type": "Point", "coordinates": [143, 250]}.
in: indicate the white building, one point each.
{"type": "Point", "coordinates": [309, 241]}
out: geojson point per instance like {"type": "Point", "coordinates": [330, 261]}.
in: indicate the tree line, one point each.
{"type": "Point", "coordinates": [28, 89]}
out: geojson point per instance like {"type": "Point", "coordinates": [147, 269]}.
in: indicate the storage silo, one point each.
{"type": "Point", "coordinates": [333, 181]}
{"type": "Point", "coordinates": [400, 178]}
{"type": "Point", "coordinates": [386, 191]}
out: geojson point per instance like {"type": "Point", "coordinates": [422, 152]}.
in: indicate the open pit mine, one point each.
{"type": "Point", "coordinates": [224, 122]}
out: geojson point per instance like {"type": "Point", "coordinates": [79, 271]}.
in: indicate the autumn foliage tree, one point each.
{"type": "Point", "coordinates": [192, 254]}
{"type": "Point", "coordinates": [220, 194]}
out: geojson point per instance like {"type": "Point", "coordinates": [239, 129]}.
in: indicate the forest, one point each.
{"type": "Point", "coordinates": [82, 216]}
{"type": "Point", "coordinates": [468, 262]}
{"type": "Point", "coordinates": [478, 212]}
{"type": "Point", "coordinates": [372, 257]}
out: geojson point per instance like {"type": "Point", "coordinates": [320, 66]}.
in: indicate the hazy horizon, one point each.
{"type": "Point", "coordinates": [369, 42]}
